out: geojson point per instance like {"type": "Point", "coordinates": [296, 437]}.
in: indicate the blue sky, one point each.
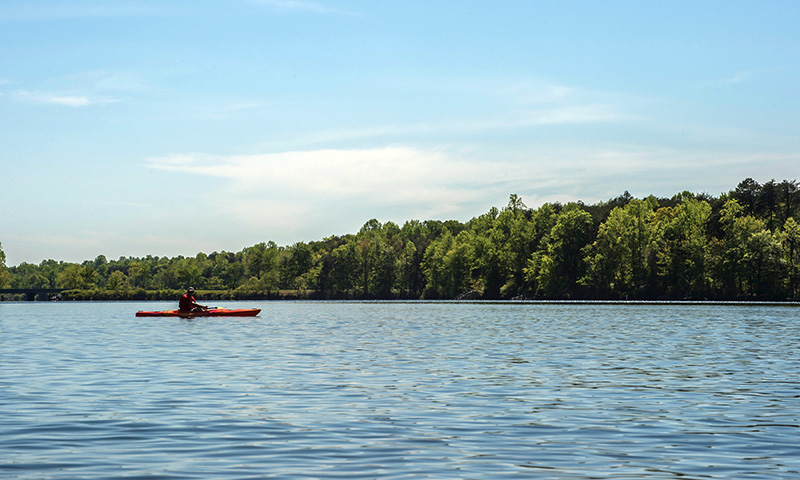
{"type": "Point", "coordinates": [130, 128]}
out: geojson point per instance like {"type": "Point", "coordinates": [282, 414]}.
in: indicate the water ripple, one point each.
{"type": "Point", "coordinates": [401, 390]}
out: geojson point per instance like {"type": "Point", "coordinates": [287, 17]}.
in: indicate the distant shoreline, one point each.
{"type": "Point", "coordinates": [290, 296]}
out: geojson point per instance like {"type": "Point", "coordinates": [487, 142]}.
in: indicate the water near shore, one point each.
{"type": "Point", "coordinates": [400, 390]}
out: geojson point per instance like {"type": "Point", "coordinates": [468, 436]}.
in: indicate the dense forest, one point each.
{"type": "Point", "coordinates": [744, 244]}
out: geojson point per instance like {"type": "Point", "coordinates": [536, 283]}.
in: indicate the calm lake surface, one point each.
{"type": "Point", "coordinates": [400, 390]}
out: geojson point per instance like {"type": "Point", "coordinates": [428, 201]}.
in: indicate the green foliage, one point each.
{"type": "Point", "coordinates": [790, 243]}
{"type": "Point", "coordinates": [5, 276]}
{"type": "Point", "coordinates": [681, 248]}
{"type": "Point", "coordinates": [448, 264]}
{"type": "Point", "coordinates": [620, 260]}
{"type": "Point", "coordinates": [744, 244]}
{"type": "Point", "coordinates": [558, 266]}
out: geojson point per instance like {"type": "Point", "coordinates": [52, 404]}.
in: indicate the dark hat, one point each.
{"type": "Point", "coordinates": [191, 289]}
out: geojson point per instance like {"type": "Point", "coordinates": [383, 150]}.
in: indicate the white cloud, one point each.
{"type": "Point", "coordinates": [315, 193]}
{"type": "Point", "coordinates": [390, 175]}
{"type": "Point", "coordinates": [519, 120]}
{"type": "Point", "coordinates": [68, 100]}
{"type": "Point", "coordinates": [426, 183]}
{"type": "Point", "coordinates": [304, 6]}
{"type": "Point", "coordinates": [35, 11]}
{"type": "Point", "coordinates": [55, 99]}
{"type": "Point", "coordinates": [85, 89]}
{"type": "Point", "coordinates": [742, 77]}
{"type": "Point", "coordinates": [223, 111]}
{"type": "Point", "coordinates": [112, 81]}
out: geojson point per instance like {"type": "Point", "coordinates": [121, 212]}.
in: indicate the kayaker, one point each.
{"type": "Point", "coordinates": [189, 304]}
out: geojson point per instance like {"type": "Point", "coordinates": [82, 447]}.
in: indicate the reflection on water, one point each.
{"type": "Point", "coordinates": [401, 390]}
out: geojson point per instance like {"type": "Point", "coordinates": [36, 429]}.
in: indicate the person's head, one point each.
{"type": "Point", "coordinates": [190, 290]}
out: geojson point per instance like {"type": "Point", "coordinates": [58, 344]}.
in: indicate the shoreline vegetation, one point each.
{"type": "Point", "coordinates": [741, 246]}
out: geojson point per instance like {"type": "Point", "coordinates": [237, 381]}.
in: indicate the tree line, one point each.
{"type": "Point", "coordinates": [744, 244]}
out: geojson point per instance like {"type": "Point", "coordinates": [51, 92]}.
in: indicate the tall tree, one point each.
{"type": "Point", "coordinates": [344, 273]}
{"type": "Point", "coordinates": [789, 195]}
{"type": "Point", "coordinates": [619, 260]}
{"type": "Point", "coordinates": [682, 247]}
{"type": "Point", "coordinates": [297, 260]}
{"type": "Point", "coordinates": [448, 264]}
{"type": "Point", "coordinates": [790, 242]}
{"type": "Point", "coordinates": [5, 276]}
{"type": "Point", "coordinates": [558, 268]}
{"type": "Point", "coordinates": [747, 194]}
{"type": "Point", "coordinates": [749, 253]}
{"type": "Point", "coordinates": [767, 203]}
{"type": "Point", "coordinates": [762, 261]}
{"type": "Point", "coordinates": [408, 279]}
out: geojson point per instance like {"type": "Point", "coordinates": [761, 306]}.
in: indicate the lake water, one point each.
{"type": "Point", "coordinates": [400, 390]}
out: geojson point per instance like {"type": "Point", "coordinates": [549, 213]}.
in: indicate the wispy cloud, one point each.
{"type": "Point", "coordinates": [54, 99]}
{"type": "Point", "coordinates": [226, 110]}
{"type": "Point", "coordinates": [424, 182]}
{"type": "Point", "coordinates": [742, 77]}
{"type": "Point", "coordinates": [64, 99]}
{"type": "Point", "coordinates": [507, 121]}
{"type": "Point", "coordinates": [461, 106]}
{"type": "Point", "coordinates": [110, 81]}
{"type": "Point", "coordinates": [397, 174]}
{"type": "Point", "coordinates": [304, 6]}
{"type": "Point", "coordinates": [67, 10]}
{"type": "Point", "coordinates": [737, 78]}
{"type": "Point", "coordinates": [434, 184]}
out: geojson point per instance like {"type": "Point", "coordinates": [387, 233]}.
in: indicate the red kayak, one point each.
{"type": "Point", "coordinates": [212, 312]}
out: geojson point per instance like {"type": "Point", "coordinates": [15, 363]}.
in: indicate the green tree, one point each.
{"type": "Point", "coordinates": [26, 275]}
{"type": "Point", "coordinates": [295, 261]}
{"type": "Point", "coordinates": [747, 194]}
{"type": "Point", "coordinates": [166, 276]}
{"type": "Point", "coordinates": [344, 270]}
{"type": "Point", "coordinates": [69, 277]}
{"type": "Point", "coordinates": [379, 248]}
{"type": "Point", "coordinates": [117, 281]}
{"type": "Point", "coordinates": [515, 238]}
{"type": "Point", "coordinates": [139, 275]}
{"type": "Point", "coordinates": [5, 276]}
{"type": "Point", "coordinates": [49, 270]}
{"type": "Point", "coordinates": [556, 269]}
{"type": "Point", "coordinates": [448, 264]}
{"type": "Point", "coordinates": [682, 247]}
{"type": "Point", "coordinates": [762, 261]}
{"type": "Point", "coordinates": [748, 253]}
{"type": "Point", "coordinates": [620, 257]}
{"type": "Point", "coordinates": [88, 277]}
{"type": "Point", "coordinates": [189, 273]}
{"type": "Point", "coordinates": [384, 272]}
{"type": "Point", "coordinates": [420, 234]}
{"type": "Point", "coordinates": [790, 243]}
{"type": "Point", "coordinates": [490, 271]}
{"type": "Point", "coordinates": [505, 240]}
{"type": "Point", "coordinates": [235, 272]}
{"type": "Point", "coordinates": [767, 204]}
{"type": "Point", "coordinates": [491, 268]}
{"type": "Point", "coordinates": [728, 253]}
{"type": "Point", "coordinates": [789, 199]}
{"type": "Point", "coordinates": [75, 276]}
{"type": "Point", "coordinates": [407, 270]}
